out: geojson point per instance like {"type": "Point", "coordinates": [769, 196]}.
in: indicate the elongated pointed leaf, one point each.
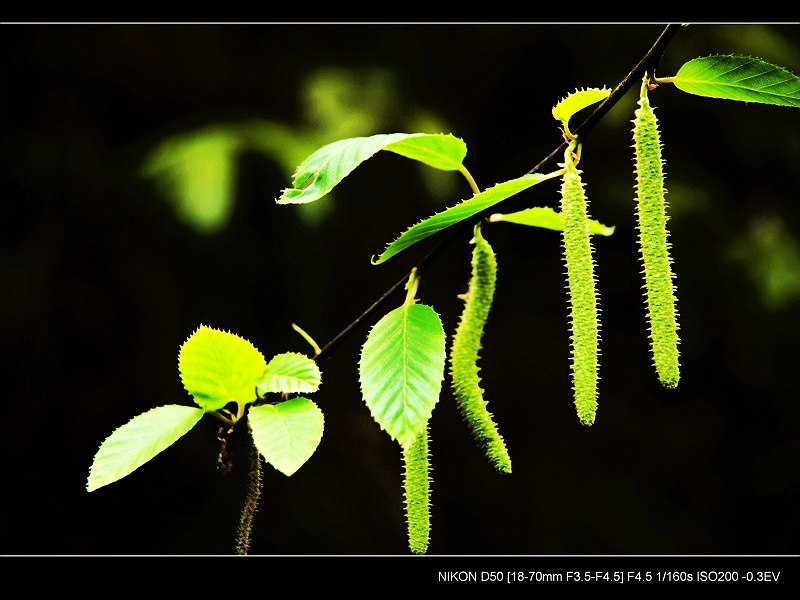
{"type": "Point", "coordinates": [401, 370]}
{"type": "Point", "coordinates": [291, 373]}
{"type": "Point", "coordinates": [739, 78]}
{"type": "Point", "coordinates": [324, 169]}
{"type": "Point", "coordinates": [138, 441]}
{"type": "Point", "coordinates": [547, 218]}
{"type": "Point", "coordinates": [218, 367]}
{"type": "Point", "coordinates": [287, 434]}
{"type": "Point", "coordinates": [459, 212]}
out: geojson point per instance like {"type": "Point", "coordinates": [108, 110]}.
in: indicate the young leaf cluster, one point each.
{"type": "Point", "coordinates": [219, 369]}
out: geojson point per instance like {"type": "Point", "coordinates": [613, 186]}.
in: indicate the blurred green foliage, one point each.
{"type": "Point", "coordinates": [770, 256]}
{"type": "Point", "coordinates": [196, 170]}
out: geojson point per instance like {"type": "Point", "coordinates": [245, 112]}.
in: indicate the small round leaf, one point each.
{"type": "Point", "coordinates": [287, 434]}
{"type": "Point", "coordinates": [218, 367]}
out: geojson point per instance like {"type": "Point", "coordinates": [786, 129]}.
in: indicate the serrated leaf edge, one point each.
{"type": "Point", "coordinates": [311, 387]}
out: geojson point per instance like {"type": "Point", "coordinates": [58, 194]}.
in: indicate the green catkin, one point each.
{"type": "Point", "coordinates": [654, 245]}
{"type": "Point", "coordinates": [251, 503]}
{"type": "Point", "coordinates": [417, 485]}
{"type": "Point", "coordinates": [464, 354]}
{"type": "Point", "coordinates": [582, 293]}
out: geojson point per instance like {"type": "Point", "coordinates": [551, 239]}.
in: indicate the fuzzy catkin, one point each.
{"type": "Point", "coordinates": [417, 485]}
{"type": "Point", "coordinates": [654, 246]}
{"type": "Point", "coordinates": [464, 354]}
{"type": "Point", "coordinates": [251, 503]}
{"type": "Point", "coordinates": [583, 303]}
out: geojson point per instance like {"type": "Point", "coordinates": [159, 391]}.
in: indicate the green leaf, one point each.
{"type": "Point", "coordinates": [291, 373]}
{"type": "Point", "coordinates": [739, 78]}
{"type": "Point", "coordinates": [547, 218]}
{"type": "Point", "coordinates": [324, 169]}
{"type": "Point", "coordinates": [459, 212]}
{"type": "Point", "coordinates": [287, 434]}
{"type": "Point", "coordinates": [401, 370]}
{"type": "Point", "coordinates": [443, 151]}
{"type": "Point", "coordinates": [139, 440]}
{"type": "Point", "coordinates": [577, 101]}
{"type": "Point", "coordinates": [218, 367]}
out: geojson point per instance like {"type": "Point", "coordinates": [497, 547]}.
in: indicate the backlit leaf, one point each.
{"type": "Point", "coordinates": [739, 78]}
{"type": "Point", "coordinates": [547, 218]}
{"type": "Point", "coordinates": [401, 370]}
{"type": "Point", "coordinates": [287, 434]}
{"type": "Point", "coordinates": [138, 441]}
{"type": "Point", "coordinates": [218, 367]}
{"type": "Point", "coordinates": [459, 212]}
{"type": "Point", "coordinates": [443, 151]}
{"type": "Point", "coordinates": [291, 373]}
{"type": "Point", "coordinates": [329, 165]}
{"type": "Point", "coordinates": [577, 101]}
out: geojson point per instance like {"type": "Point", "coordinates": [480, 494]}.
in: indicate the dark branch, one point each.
{"type": "Point", "coordinates": [648, 64]}
{"type": "Point", "coordinates": [342, 335]}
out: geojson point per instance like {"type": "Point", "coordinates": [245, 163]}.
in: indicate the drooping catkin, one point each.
{"type": "Point", "coordinates": [654, 246]}
{"type": "Point", "coordinates": [464, 354]}
{"type": "Point", "coordinates": [417, 485]}
{"type": "Point", "coordinates": [251, 503]}
{"type": "Point", "coordinates": [583, 302]}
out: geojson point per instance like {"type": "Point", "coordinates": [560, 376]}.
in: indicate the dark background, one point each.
{"type": "Point", "coordinates": [102, 281]}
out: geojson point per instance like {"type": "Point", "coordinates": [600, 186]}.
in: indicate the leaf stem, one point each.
{"type": "Point", "coordinates": [308, 338]}
{"type": "Point", "coordinates": [223, 418]}
{"type": "Point", "coordinates": [470, 180]}
{"type": "Point", "coordinates": [660, 80]}
{"type": "Point", "coordinates": [412, 286]}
